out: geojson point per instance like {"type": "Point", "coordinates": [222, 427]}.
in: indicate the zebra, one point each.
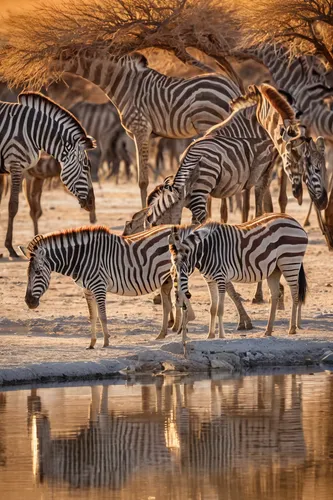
{"type": "Point", "coordinates": [46, 168]}
{"type": "Point", "coordinates": [240, 153]}
{"type": "Point", "coordinates": [102, 122]}
{"type": "Point", "coordinates": [264, 248]}
{"type": "Point", "coordinates": [305, 78]}
{"type": "Point", "coordinates": [37, 123]}
{"type": "Point", "coordinates": [100, 261]}
{"type": "Point", "coordinates": [150, 103]}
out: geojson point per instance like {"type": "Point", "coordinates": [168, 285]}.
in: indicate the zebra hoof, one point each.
{"type": "Point", "coordinates": [157, 299]}
{"type": "Point", "coordinates": [211, 336]}
{"type": "Point", "coordinates": [90, 347]}
{"type": "Point", "coordinates": [267, 334]}
{"type": "Point", "coordinates": [258, 300]}
{"type": "Point", "coordinates": [161, 336]}
{"type": "Point", "coordinates": [292, 331]}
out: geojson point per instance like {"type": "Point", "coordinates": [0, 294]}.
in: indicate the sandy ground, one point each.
{"type": "Point", "coordinates": [58, 331]}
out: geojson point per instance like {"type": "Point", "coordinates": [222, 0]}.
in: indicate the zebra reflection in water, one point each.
{"type": "Point", "coordinates": [183, 431]}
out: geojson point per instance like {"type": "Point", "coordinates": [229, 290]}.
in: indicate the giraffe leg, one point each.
{"type": "Point", "coordinates": [16, 178]}
{"type": "Point", "coordinates": [92, 307]}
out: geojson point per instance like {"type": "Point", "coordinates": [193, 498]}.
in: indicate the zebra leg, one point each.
{"type": "Point", "coordinates": [220, 312]}
{"type": "Point", "coordinates": [224, 210]}
{"type": "Point", "coordinates": [273, 282]}
{"type": "Point", "coordinates": [246, 205]}
{"type": "Point", "coordinates": [92, 307]}
{"type": "Point", "coordinates": [214, 299]}
{"type": "Point", "coordinates": [167, 307]}
{"type": "Point", "coordinates": [141, 139]}
{"type": "Point", "coordinates": [16, 178]}
{"type": "Point", "coordinates": [283, 198]}
{"type": "Point", "coordinates": [100, 299]}
{"type": "Point", "coordinates": [34, 189]}
{"type": "Point", "coordinates": [258, 297]}
{"type": "Point", "coordinates": [209, 208]}
{"type": "Point", "coordinates": [307, 218]}
{"type": "Point", "coordinates": [245, 322]}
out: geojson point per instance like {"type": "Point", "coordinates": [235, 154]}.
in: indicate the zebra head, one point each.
{"type": "Point", "coordinates": [39, 271]}
{"type": "Point", "coordinates": [293, 161]}
{"type": "Point", "coordinates": [315, 175]}
{"type": "Point", "coordinates": [163, 204]}
{"type": "Point", "coordinates": [75, 171]}
{"type": "Point", "coordinates": [62, 136]}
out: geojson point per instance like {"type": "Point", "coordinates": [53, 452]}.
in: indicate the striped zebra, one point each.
{"type": "Point", "coordinates": [240, 153]}
{"type": "Point", "coordinates": [150, 103]}
{"type": "Point", "coordinates": [34, 178]}
{"type": "Point", "coordinates": [100, 261]}
{"type": "Point", "coordinates": [102, 122]}
{"type": "Point", "coordinates": [305, 78]}
{"type": "Point", "coordinates": [264, 248]}
{"type": "Point", "coordinates": [37, 123]}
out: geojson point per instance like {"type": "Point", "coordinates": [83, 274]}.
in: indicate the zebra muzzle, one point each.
{"type": "Point", "coordinates": [31, 301]}
{"type": "Point", "coordinates": [297, 190]}
{"type": "Point", "coordinates": [88, 203]}
{"type": "Point", "coordinates": [322, 201]}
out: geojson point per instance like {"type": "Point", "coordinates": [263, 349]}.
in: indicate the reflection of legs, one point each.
{"type": "Point", "coordinates": [92, 307]}
{"type": "Point", "coordinates": [273, 282]}
{"type": "Point", "coordinates": [244, 319]}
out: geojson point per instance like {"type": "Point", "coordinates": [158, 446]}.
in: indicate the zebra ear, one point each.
{"type": "Point", "coordinates": [90, 143]}
{"type": "Point", "coordinates": [140, 59]}
{"type": "Point", "coordinates": [24, 251]}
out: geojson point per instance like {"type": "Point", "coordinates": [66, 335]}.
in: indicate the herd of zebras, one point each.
{"type": "Point", "coordinates": [243, 137]}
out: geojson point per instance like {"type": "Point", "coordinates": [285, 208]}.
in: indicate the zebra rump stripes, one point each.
{"type": "Point", "coordinates": [266, 247]}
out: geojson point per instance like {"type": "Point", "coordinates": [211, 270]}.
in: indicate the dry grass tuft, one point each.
{"type": "Point", "coordinates": [36, 39]}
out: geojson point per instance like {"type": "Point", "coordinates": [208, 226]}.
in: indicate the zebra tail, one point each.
{"type": "Point", "coordinates": [302, 285]}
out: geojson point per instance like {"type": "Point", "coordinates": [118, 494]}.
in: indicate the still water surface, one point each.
{"type": "Point", "coordinates": [254, 437]}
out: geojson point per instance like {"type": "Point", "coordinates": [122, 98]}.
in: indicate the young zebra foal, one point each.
{"type": "Point", "coordinates": [264, 248]}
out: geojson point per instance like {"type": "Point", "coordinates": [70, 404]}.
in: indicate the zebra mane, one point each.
{"type": "Point", "coordinates": [46, 105]}
{"type": "Point", "coordinates": [272, 95]}
{"type": "Point", "coordinates": [278, 102]}
{"type": "Point", "coordinates": [245, 101]}
{"type": "Point", "coordinates": [36, 241]}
